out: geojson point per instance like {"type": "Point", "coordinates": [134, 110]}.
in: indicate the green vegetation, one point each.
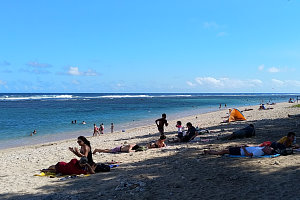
{"type": "Point", "coordinates": [296, 106]}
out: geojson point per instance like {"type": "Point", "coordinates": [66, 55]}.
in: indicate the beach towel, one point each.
{"type": "Point", "coordinates": [113, 166]}
{"type": "Point", "coordinates": [239, 156]}
{"type": "Point", "coordinates": [54, 175]}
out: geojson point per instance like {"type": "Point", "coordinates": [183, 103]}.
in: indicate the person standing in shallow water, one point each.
{"type": "Point", "coordinates": [101, 128]}
{"type": "Point", "coordinates": [161, 122]}
{"type": "Point", "coordinates": [112, 127]}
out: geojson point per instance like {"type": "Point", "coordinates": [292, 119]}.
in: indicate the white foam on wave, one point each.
{"type": "Point", "coordinates": [36, 97]}
{"type": "Point", "coordinates": [126, 96]}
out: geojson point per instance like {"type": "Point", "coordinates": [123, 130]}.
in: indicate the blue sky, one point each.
{"type": "Point", "coordinates": [150, 46]}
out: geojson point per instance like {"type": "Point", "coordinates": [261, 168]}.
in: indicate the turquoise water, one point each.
{"type": "Point", "coordinates": [51, 114]}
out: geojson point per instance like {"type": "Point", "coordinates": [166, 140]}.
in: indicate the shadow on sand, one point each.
{"type": "Point", "coordinates": [184, 173]}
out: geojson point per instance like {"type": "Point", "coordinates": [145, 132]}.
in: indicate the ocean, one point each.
{"type": "Point", "coordinates": [51, 114]}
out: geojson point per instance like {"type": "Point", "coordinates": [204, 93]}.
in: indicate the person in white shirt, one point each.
{"type": "Point", "coordinates": [254, 151]}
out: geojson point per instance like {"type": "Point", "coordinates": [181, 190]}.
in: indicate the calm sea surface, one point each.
{"type": "Point", "coordinates": [51, 114]}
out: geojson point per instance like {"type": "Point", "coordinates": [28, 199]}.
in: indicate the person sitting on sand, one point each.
{"type": "Point", "coordinates": [73, 167]}
{"type": "Point", "coordinates": [158, 144]}
{"type": "Point", "coordinates": [254, 151]}
{"type": "Point", "coordinates": [190, 134]}
{"type": "Point", "coordinates": [85, 149]}
{"type": "Point", "coordinates": [161, 122]}
{"type": "Point", "coordinates": [123, 148]}
{"type": "Point", "coordinates": [247, 132]}
{"type": "Point", "coordinates": [262, 107]}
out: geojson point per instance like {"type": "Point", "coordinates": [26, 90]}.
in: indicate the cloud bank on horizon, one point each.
{"type": "Point", "coordinates": [141, 47]}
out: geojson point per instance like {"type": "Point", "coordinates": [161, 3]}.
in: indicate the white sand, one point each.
{"type": "Point", "coordinates": [179, 171]}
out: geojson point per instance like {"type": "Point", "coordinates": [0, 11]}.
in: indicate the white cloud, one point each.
{"type": "Point", "coordinates": [273, 70]}
{"type": "Point", "coordinates": [221, 34]}
{"type": "Point", "coordinates": [261, 67]}
{"type": "Point", "coordinates": [2, 83]}
{"type": "Point", "coordinates": [227, 83]}
{"type": "Point", "coordinates": [277, 82]}
{"type": "Point", "coordinates": [209, 81]}
{"type": "Point", "coordinates": [74, 71]}
{"type": "Point", "coordinates": [75, 82]}
{"type": "Point", "coordinates": [90, 73]}
{"type": "Point", "coordinates": [210, 25]}
{"type": "Point", "coordinates": [190, 83]}
{"type": "Point", "coordinates": [38, 65]}
{"type": "Point", "coordinates": [293, 83]}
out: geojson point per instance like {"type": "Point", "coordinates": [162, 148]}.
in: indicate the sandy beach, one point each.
{"type": "Point", "coordinates": [179, 171]}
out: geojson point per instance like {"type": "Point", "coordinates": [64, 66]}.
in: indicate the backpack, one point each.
{"type": "Point", "coordinates": [102, 168]}
{"type": "Point", "coordinates": [284, 151]}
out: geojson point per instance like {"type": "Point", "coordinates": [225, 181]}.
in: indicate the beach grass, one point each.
{"type": "Point", "coordinates": [296, 106]}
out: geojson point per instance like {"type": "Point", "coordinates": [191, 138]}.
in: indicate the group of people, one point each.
{"type": "Point", "coordinates": [183, 136]}
{"type": "Point", "coordinates": [283, 146]}
{"type": "Point", "coordinates": [100, 130]}
{"type": "Point", "coordinates": [86, 165]}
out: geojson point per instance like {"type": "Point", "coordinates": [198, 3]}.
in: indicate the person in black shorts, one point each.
{"type": "Point", "coordinates": [161, 122]}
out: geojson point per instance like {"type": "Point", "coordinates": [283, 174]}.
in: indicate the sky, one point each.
{"type": "Point", "coordinates": [133, 46]}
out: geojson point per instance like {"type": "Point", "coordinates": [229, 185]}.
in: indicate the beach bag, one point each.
{"type": "Point", "coordinates": [285, 151]}
{"type": "Point", "coordinates": [102, 168]}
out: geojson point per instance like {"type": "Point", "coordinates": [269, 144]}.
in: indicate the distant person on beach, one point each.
{"type": "Point", "coordinates": [291, 100]}
{"type": "Point", "coordinates": [83, 122]}
{"type": "Point", "coordinates": [33, 133]}
{"type": "Point", "coordinates": [158, 144]}
{"type": "Point", "coordinates": [75, 166]}
{"type": "Point", "coordinates": [112, 127]}
{"type": "Point", "coordinates": [180, 129]}
{"type": "Point", "coordinates": [72, 122]}
{"type": "Point", "coordinates": [123, 148]}
{"type": "Point", "coordinates": [101, 128]}
{"type": "Point", "coordinates": [220, 106]}
{"type": "Point", "coordinates": [75, 122]}
{"type": "Point", "coordinates": [254, 151]}
{"type": "Point", "coordinates": [85, 149]}
{"type": "Point", "coordinates": [225, 105]}
{"type": "Point", "coordinates": [161, 122]}
{"type": "Point", "coordinates": [96, 130]}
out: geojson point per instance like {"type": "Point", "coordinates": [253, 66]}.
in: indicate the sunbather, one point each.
{"type": "Point", "coordinates": [73, 167]}
{"type": "Point", "coordinates": [159, 143]}
{"type": "Point", "coordinates": [123, 148]}
{"type": "Point", "coordinates": [247, 132]}
{"type": "Point", "coordinates": [288, 140]}
{"type": "Point", "coordinates": [243, 151]}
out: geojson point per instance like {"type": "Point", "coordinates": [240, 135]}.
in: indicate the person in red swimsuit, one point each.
{"type": "Point", "coordinates": [73, 167]}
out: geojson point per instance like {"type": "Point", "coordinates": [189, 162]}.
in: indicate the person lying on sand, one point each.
{"type": "Point", "coordinates": [124, 148]}
{"type": "Point", "coordinates": [73, 167]}
{"type": "Point", "coordinates": [243, 151]}
{"type": "Point", "coordinates": [158, 144]}
{"type": "Point", "coordinates": [288, 140]}
{"type": "Point", "coordinates": [247, 132]}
